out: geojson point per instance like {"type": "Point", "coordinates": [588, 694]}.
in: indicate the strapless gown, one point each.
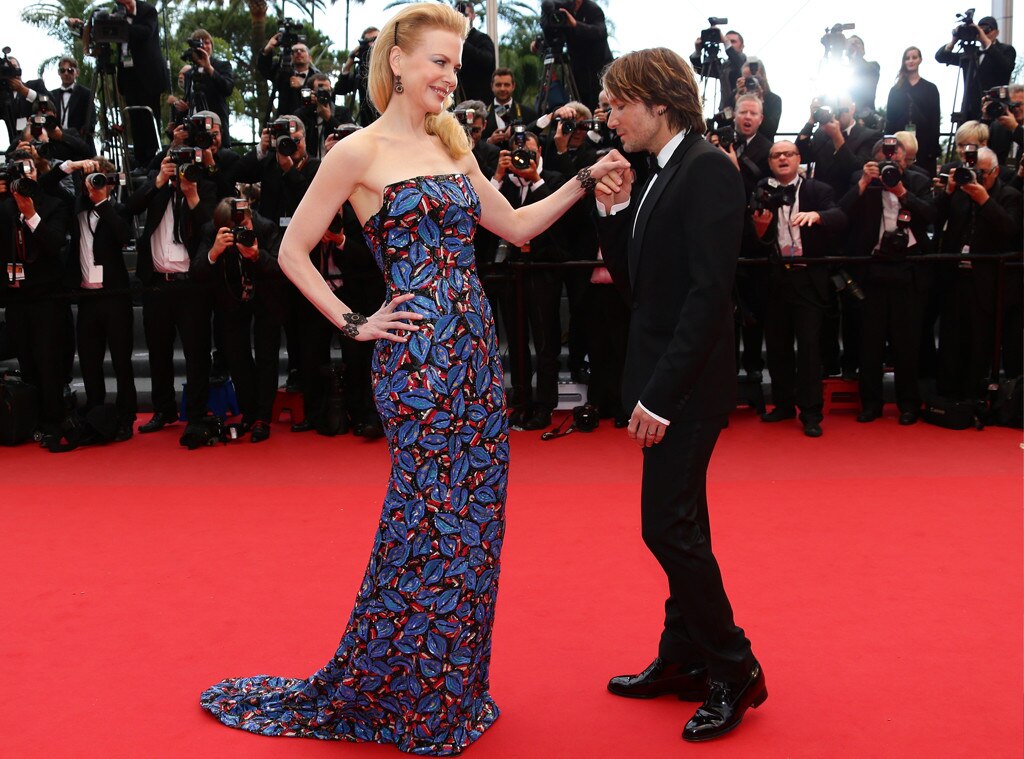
{"type": "Point", "coordinates": [412, 665]}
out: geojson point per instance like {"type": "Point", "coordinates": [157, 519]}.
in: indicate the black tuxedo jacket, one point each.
{"type": "Point", "coordinates": [549, 245]}
{"type": "Point", "coordinates": [487, 156]}
{"type": "Point", "coordinates": [148, 75]}
{"type": "Point", "coordinates": [212, 92]}
{"type": "Point", "coordinates": [478, 63]}
{"type": "Point", "coordinates": [44, 247]}
{"type": "Point", "coordinates": [680, 265]}
{"type": "Point", "coordinates": [280, 192]}
{"type": "Point", "coordinates": [995, 69]}
{"type": "Point", "coordinates": [754, 161]}
{"type": "Point", "coordinates": [816, 240]}
{"type": "Point", "coordinates": [81, 109]}
{"type": "Point", "coordinates": [225, 275]}
{"type": "Point", "coordinates": [18, 108]}
{"type": "Point", "coordinates": [156, 202]}
{"type": "Point", "coordinates": [836, 167]}
{"type": "Point", "coordinates": [517, 112]}
{"type": "Point", "coordinates": [287, 96]}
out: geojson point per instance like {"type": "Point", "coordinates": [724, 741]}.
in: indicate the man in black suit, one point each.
{"type": "Point", "coordinates": [797, 291]}
{"type": "Point", "coordinates": [586, 38]}
{"type": "Point", "coordinates": [478, 59]}
{"type": "Point", "coordinates": [676, 240]}
{"type": "Point", "coordinates": [209, 82]}
{"type": "Point", "coordinates": [74, 103]}
{"type": "Point", "coordinates": [991, 66]}
{"type": "Point", "coordinates": [352, 79]}
{"type": "Point", "coordinates": [176, 208]}
{"type": "Point", "coordinates": [730, 71]}
{"type": "Point", "coordinates": [33, 225]}
{"type": "Point", "coordinates": [287, 81]}
{"type": "Point", "coordinates": [19, 105]}
{"type": "Point", "coordinates": [894, 287]}
{"type": "Point", "coordinates": [320, 116]}
{"type": "Point", "coordinates": [504, 111]}
{"type": "Point", "coordinates": [142, 75]}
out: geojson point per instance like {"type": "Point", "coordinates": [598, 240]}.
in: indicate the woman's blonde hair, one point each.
{"type": "Point", "coordinates": [405, 30]}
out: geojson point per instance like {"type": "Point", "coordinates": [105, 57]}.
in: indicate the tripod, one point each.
{"type": "Point", "coordinates": [557, 69]}
{"type": "Point", "coordinates": [711, 69]}
{"type": "Point", "coordinates": [112, 124]}
{"type": "Point", "coordinates": [968, 74]}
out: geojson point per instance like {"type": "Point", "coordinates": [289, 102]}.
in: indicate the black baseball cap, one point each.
{"type": "Point", "coordinates": [988, 23]}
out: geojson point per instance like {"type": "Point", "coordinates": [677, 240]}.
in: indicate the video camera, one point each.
{"type": "Point", "coordinates": [834, 41]}
{"type": "Point", "coordinates": [8, 71]}
{"type": "Point", "coordinates": [712, 36]}
{"type": "Point", "coordinates": [290, 32]}
{"type": "Point", "coordinates": [521, 156]}
{"type": "Point", "coordinates": [966, 174]}
{"type": "Point", "coordinates": [894, 244]}
{"type": "Point", "coordinates": [282, 138]}
{"type": "Point", "coordinates": [771, 195]}
{"type": "Point", "coordinates": [109, 26]}
{"type": "Point", "coordinates": [17, 174]}
{"type": "Point", "coordinates": [889, 172]}
{"type": "Point", "coordinates": [965, 33]}
{"type": "Point", "coordinates": [995, 102]}
{"type": "Point", "coordinates": [188, 163]}
{"type": "Point", "coordinates": [200, 134]}
{"type": "Point", "coordinates": [243, 235]}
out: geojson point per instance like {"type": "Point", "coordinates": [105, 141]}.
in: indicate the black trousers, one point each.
{"type": "Point", "coordinates": [891, 312]}
{"type": "Point", "coordinates": [502, 296]}
{"type": "Point", "coordinates": [543, 308]}
{"type": "Point", "coordinates": [105, 321]}
{"type": "Point", "coordinates": [607, 320]}
{"type": "Point", "coordinates": [795, 311]}
{"type": "Point", "coordinates": [38, 331]}
{"type": "Point", "coordinates": [170, 310]}
{"type": "Point", "coordinates": [966, 335]}
{"type": "Point", "coordinates": [699, 624]}
{"type": "Point", "coordinates": [752, 297]}
{"type": "Point", "coordinates": [252, 326]}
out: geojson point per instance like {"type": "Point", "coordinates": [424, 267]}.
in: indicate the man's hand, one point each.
{"type": "Point", "coordinates": [731, 152]}
{"type": "Point", "coordinates": [1009, 121]}
{"type": "Point", "coordinates": [870, 174]}
{"type": "Point", "coordinates": [295, 81]}
{"type": "Point", "coordinates": [221, 242]}
{"type": "Point", "coordinates": [614, 187]}
{"type": "Point", "coordinates": [25, 205]}
{"type": "Point", "coordinates": [504, 165]}
{"type": "Point", "coordinates": [272, 43]}
{"type": "Point", "coordinates": [179, 136]}
{"type": "Point", "coordinates": [166, 172]}
{"type": "Point", "coordinates": [87, 166]}
{"type": "Point", "coordinates": [250, 253]}
{"type": "Point", "coordinates": [202, 59]}
{"type": "Point", "coordinates": [561, 139]}
{"type": "Point", "coordinates": [499, 136]}
{"type": "Point", "coordinates": [285, 162]}
{"type": "Point", "coordinates": [976, 192]}
{"type": "Point", "coordinates": [190, 190]}
{"type": "Point", "coordinates": [265, 140]}
{"type": "Point", "coordinates": [530, 173]}
{"type": "Point", "coordinates": [897, 189]}
{"type": "Point", "coordinates": [644, 428]}
{"type": "Point", "coordinates": [762, 220]}
{"type": "Point", "coordinates": [569, 18]}
{"type": "Point", "coordinates": [330, 142]}
{"type": "Point", "coordinates": [805, 219]}
{"type": "Point", "coordinates": [833, 130]}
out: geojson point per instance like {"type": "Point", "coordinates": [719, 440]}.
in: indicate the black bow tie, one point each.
{"type": "Point", "coordinates": [67, 89]}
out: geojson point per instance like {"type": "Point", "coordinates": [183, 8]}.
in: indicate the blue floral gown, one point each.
{"type": "Point", "coordinates": [412, 666]}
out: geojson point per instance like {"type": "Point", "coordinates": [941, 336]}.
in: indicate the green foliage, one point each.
{"type": "Point", "coordinates": [49, 16]}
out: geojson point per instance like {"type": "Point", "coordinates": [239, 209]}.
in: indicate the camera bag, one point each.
{"type": "Point", "coordinates": [1007, 407]}
{"type": "Point", "coordinates": [19, 403]}
{"type": "Point", "coordinates": [951, 414]}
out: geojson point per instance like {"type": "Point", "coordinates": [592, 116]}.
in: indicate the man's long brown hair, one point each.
{"type": "Point", "coordinates": [658, 76]}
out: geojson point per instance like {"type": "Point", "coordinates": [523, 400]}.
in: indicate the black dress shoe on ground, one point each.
{"type": "Point", "coordinates": [662, 678]}
{"type": "Point", "coordinates": [124, 432]}
{"type": "Point", "coordinates": [868, 415]}
{"type": "Point", "coordinates": [725, 705]}
{"type": "Point", "coordinates": [158, 422]}
{"type": "Point", "coordinates": [538, 420]}
{"type": "Point", "coordinates": [260, 432]}
{"type": "Point", "coordinates": [371, 430]}
{"type": "Point", "coordinates": [908, 417]}
{"type": "Point", "coordinates": [778, 414]}
{"type": "Point", "coordinates": [306, 425]}
{"type": "Point", "coordinates": [812, 429]}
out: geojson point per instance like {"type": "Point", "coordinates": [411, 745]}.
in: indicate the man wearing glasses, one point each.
{"type": "Point", "coordinates": [74, 103]}
{"type": "Point", "coordinates": [290, 82]}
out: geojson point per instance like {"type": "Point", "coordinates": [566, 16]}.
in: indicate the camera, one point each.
{"type": "Point", "coordinates": [712, 36]}
{"type": "Point", "coordinates": [200, 133]}
{"type": "Point", "coordinates": [239, 211]}
{"type": "Point", "coordinates": [995, 103]}
{"type": "Point", "coordinates": [590, 125]}
{"type": "Point", "coordinates": [291, 32]}
{"type": "Point", "coordinates": [521, 157]}
{"type": "Point", "coordinates": [344, 130]}
{"type": "Point", "coordinates": [8, 71]}
{"type": "Point", "coordinates": [568, 125]}
{"type": "Point", "coordinates": [722, 126]}
{"type": "Point", "coordinates": [109, 26]}
{"type": "Point", "coordinates": [823, 115]}
{"type": "Point", "coordinates": [551, 15]}
{"type": "Point", "coordinates": [751, 83]}
{"type": "Point", "coordinates": [189, 56]}
{"type": "Point", "coordinates": [771, 195]}
{"type": "Point", "coordinates": [894, 244]}
{"type": "Point", "coordinates": [36, 125]}
{"type": "Point", "coordinates": [834, 41]}
{"type": "Point", "coordinates": [965, 31]}
{"type": "Point", "coordinates": [282, 137]}
{"type": "Point", "coordinates": [362, 52]}
{"type": "Point", "coordinates": [316, 97]}
{"type": "Point", "coordinates": [188, 163]}
{"type": "Point", "coordinates": [842, 281]}
{"type": "Point", "coordinates": [16, 174]}
{"type": "Point", "coordinates": [889, 172]}
{"type": "Point", "coordinates": [99, 181]}
{"type": "Point", "coordinates": [966, 174]}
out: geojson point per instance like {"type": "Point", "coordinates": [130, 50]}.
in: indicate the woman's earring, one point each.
{"type": "Point", "coordinates": [399, 87]}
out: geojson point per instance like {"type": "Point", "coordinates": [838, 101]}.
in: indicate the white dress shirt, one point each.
{"type": "Point", "coordinates": [92, 273]}
{"type": "Point", "coordinates": [169, 257]}
{"type": "Point", "coordinates": [788, 237]}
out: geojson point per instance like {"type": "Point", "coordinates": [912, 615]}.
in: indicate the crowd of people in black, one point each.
{"type": "Point", "coordinates": [206, 220]}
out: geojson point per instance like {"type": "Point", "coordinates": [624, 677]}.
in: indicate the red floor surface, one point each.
{"type": "Point", "coordinates": [876, 570]}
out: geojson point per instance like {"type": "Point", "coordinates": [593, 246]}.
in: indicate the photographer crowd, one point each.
{"type": "Point", "coordinates": [205, 220]}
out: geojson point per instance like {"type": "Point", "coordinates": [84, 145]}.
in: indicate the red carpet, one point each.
{"type": "Point", "coordinates": [876, 570]}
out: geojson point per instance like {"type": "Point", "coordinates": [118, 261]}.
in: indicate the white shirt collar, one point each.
{"type": "Point", "coordinates": [670, 147]}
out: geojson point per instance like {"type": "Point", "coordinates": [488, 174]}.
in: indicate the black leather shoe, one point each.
{"type": "Point", "coordinates": [371, 430]}
{"type": "Point", "coordinates": [662, 678]}
{"type": "Point", "coordinates": [260, 432]}
{"type": "Point", "coordinates": [725, 705]}
{"type": "Point", "coordinates": [868, 415]}
{"type": "Point", "coordinates": [778, 414]}
{"type": "Point", "coordinates": [124, 432]}
{"type": "Point", "coordinates": [306, 425]}
{"type": "Point", "coordinates": [538, 420]}
{"type": "Point", "coordinates": [908, 417]}
{"type": "Point", "coordinates": [158, 422]}
{"type": "Point", "coordinates": [812, 429]}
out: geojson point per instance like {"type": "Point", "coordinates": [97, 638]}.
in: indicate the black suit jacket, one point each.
{"type": "Point", "coordinates": [478, 64]}
{"type": "Point", "coordinates": [44, 247]}
{"type": "Point", "coordinates": [681, 264]}
{"type": "Point", "coordinates": [549, 245]}
{"type": "Point", "coordinates": [517, 112]}
{"type": "Point", "coordinates": [19, 108]}
{"type": "Point", "coordinates": [995, 69]}
{"type": "Point", "coordinates": [754, 161]}
{"type": "Point", "coordinates": [210, 92]}
{"type": "Point", "coordinates": [280, 192]}
{"type": "Point", "coordinates": [836, 167]}
{"type": "Point", "coordinates": [148, 75]}
{"type": "Point", "coordinates": [225, 275]}
{"type": "Point", "coordinates": [588, 48]}
{"type": "Point", "coordinates": [287, 96]}
{"type": "Point", "coordinates": [81, 109]}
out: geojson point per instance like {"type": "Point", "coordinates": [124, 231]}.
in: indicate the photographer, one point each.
{"type": "Point", "coordinates": [914, 100]}
{"type": "Point", "coordinates": [521, 178]}
{"type": "Point", "coordinates": [177, 201]}
{"type": "Point", "coordinates": [48, 139]}
{"type": "Point", "coordinates": [505, 111]}
{"type": "Point", "coordinates": [204, 130]}
{"type": "Point", "coordinates": [18, 98]}
{"type": "Point", "coordinates": [986, 62]}
{"type": "Point", "coordinates": [75, 106]}
{"type": "Point", "coordinates": [478, 58]}
{"type": "Point", "coordinates": [33, 226]}
{"type": "Point", "coordinates": [864, 74]}
{"type": "Point", "coordinates": [100, 230]}
{"type": "Point", "coordinates": [209, 82]}
{"type": "Point", "coordinates": [238, 259]}
{"type": "Point", "coordinates": [735, 58]}
{"type": "Point", "coordinates": [980, 216]}
{"type": "Point", "coordinates": [290, 73]}
{"type": "Point", "coordinates": [472, 114]}
{"type": "Point", "coordinates": [580, 25]}
{"type": "Point", "coordinates": [838, 147]}
{"type": "Point", "coordinates": [1003, 110]}
{"type": "Point", "coordinates": [754, 81]}
{"type": "Point", "coordinates": [354, 73]}
{"type": "Point", "coordinates": [890, 210]}
{"type": "Point", "coordinates": [319, 115]}
{"type": "Point", "coordinates": [795, 224]}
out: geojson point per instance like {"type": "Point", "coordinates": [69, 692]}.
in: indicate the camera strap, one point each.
{"type": "Point", "coordinates": [560, 430]}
